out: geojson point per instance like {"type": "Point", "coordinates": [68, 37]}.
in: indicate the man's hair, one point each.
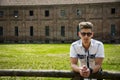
{"type": "Point", "coordinates": [85, 25]}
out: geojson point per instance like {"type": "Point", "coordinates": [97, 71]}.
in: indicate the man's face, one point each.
{"type": "Point", "coordinates": [86, 35]}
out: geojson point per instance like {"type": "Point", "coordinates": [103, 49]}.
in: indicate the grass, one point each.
{"type": "Point", "coordinates": [48, 56]}
{"type": "Point", "coordinates": [112, 59]}
{"type": "Point", "coordinates": [34, 56]}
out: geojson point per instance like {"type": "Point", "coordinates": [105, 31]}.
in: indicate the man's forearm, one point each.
{"type": "Point", "coordinates": [98, 64]}
{"type": "Point", "coordinates": [75, 68]}
{"type": "Point", "coordinates": [96, 68]}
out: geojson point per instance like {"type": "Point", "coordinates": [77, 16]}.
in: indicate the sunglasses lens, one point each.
{"type": "Point", "coordinates": [89, 34]}
{"type": "Point", "coordinates": [83, 34]}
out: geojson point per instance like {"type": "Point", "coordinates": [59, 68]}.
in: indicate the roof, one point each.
{"type": "Point", "coordinates": [50, 2]}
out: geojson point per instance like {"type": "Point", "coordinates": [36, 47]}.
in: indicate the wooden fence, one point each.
{"type": "Point", "coordinates": [57, 73]}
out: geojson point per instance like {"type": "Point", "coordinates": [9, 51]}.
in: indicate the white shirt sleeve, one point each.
{"type": "Point", "coordinates": [73, 52]}
{"type": "Point", "coordinates": [100, 51]}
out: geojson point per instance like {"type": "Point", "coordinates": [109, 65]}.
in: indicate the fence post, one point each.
{"type": "Point", "coordinates": [77, 78]}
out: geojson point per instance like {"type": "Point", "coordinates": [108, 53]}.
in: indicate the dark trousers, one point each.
{"type": "Point", "coordinates": [91, 79]}
{"type": "Point", "coordinates": [99, 72]}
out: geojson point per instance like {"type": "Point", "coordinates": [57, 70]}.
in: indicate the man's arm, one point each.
{"type": "Point", "coordinates": [98, 64]}
{"type": "Point", "coordinates": [83, 71]}
{"type": "Point", "coordinates": [74, 65]}
{"type": "Point", "coordinates": [99, 58]}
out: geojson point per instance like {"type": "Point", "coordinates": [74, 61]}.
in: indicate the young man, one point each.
{"type": "Point", "coordinates": [90, 52]}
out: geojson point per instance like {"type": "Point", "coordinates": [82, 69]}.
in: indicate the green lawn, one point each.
{"type": "Point", "coordinates": [48, 56]}
{"type": "Point", "coordinates": [112, 57]}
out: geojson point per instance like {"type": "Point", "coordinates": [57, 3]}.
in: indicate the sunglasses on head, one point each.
{"type": "Point", "coordinates": [88, 34]}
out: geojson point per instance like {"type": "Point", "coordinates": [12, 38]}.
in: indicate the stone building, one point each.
{"type": "Point", "coordinates": [56, 21]}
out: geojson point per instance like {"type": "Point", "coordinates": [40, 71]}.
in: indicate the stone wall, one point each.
{"type": "Point", "coordinates": [99, 14]}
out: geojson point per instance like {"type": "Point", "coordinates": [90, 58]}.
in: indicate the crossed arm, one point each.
{"type": "Point", "coordinates": [84, 71]}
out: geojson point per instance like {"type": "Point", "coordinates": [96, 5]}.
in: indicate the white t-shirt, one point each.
{"type": "Point", "coordinates": [95, 50]}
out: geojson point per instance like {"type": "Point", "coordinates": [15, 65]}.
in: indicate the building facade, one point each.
{"type": "Point", "coordinates": [58, 23]}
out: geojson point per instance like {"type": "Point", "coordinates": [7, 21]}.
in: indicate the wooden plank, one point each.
{"type": "Point", "coordinates": [56, 73]}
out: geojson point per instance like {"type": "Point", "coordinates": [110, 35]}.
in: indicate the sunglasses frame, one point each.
{"type": "Point", "coordinates": [86, 33]}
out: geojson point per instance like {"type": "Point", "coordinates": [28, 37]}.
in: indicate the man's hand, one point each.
{"type": "Point", "coordinates": [84, 71]}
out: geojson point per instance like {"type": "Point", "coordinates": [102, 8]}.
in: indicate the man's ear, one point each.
{"type": "Point", "coordinates": [92, 34]}
{"type": "Point", "coordinates": [79, 34]}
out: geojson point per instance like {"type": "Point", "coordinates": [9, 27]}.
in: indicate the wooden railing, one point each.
{"type": "Point", "coordinates": [57, 73]}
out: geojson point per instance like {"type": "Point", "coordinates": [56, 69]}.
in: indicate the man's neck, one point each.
{"type": "Point", "coordinates": [86, 45]}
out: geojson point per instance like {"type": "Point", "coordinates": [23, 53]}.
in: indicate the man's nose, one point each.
{"type": "Point", "coordinates": [86, 35]}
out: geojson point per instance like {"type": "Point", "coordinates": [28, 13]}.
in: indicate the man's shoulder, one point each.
{"type": "Point", "coordinates": [96, 42]}
{"type": "Point", "coordinates": [76, 42]}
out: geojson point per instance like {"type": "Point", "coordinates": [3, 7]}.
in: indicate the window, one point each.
{"type": "Point", "coordinates": [15, 14]}
{"type": "Point", "coordinates": [63, 31]}
{"type": "Point", "coordinates": [63, 13]}
{"type": "Point", "coordinates": [31, 30]}
{"type": "Point", "coordinates": [1, 13]}
{"type": "Point", "coordinates": [78, 12]}
{"type": "Point", "coordinates": [16, 31]}
{"type": "Point", "coordinates": [113, 30]}
{"type": "Point", "coordinates": [31, 13]}
{"type": "Point", "coordinates": [47, 30]}
{"type": "Point", "coordinates": [1, 31]}
{"type": "Point", "coordinates": [46, 13]}
{"type": "Point", "coordinates": [47, 41]}
{"type": "Point", "coordinates": [112, 10]}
